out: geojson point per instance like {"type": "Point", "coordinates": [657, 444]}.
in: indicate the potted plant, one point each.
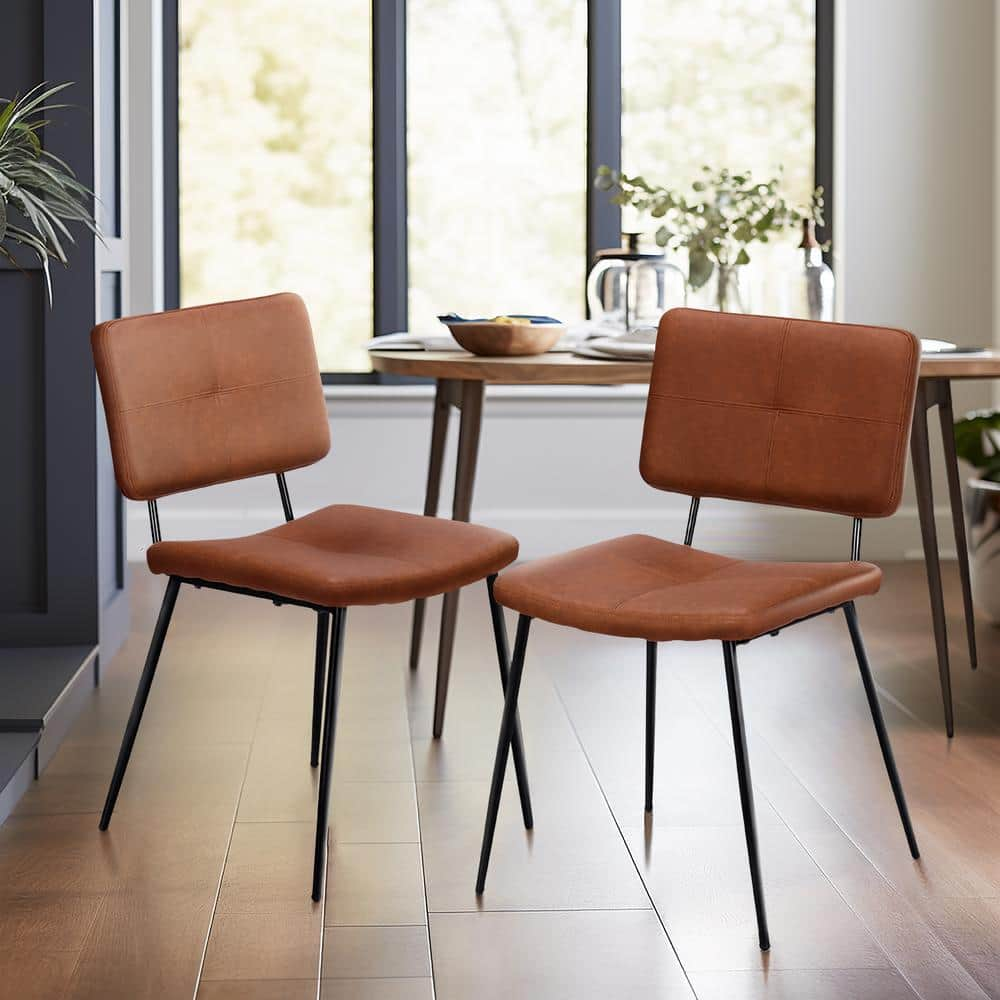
{"type": "Point", "coordinates": [716, 223]}
{"type": "Point", "coordinates": [39, 193]}
{"type": "Point", "coordinates": [977, 441]}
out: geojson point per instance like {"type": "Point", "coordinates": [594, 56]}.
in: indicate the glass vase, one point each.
{"type": "Point", "coordinates": [725, 290]}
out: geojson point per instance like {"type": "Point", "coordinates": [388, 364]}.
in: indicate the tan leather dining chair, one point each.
{"type": "Point", "coordinates": [218, 393]}
{"type": "Point", "coordinates": [775, 411]}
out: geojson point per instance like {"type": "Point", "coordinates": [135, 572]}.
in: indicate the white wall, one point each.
{"type": "Point", "coordinates": [914, 193]}
{"type": "Point", "coordinates": [916, 180]}
{"type": "Point", "coordinates": [145, 146]}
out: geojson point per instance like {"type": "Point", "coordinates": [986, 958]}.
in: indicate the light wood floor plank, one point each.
{"type": "Point", "coordinates": [375, 884]}
{"type": "Point", "coordinates": [35, 974]}
{"type": "Point", "coordinates": [376, 953]}
{"type": "Point", "coordinates": [803, 984]}
{"type": "Point", "coordinates": [266, 926]}
{"type": "Point", "coordinates": [574, 858]}
{"type": "Point", "coordinates": [262, 989]}
{"type": "Point", "coordinates": [377, 989]}
{"type": "Point", "coordinates": [569, 955]}
{"type": "Point", "coordinates": [144, 945]}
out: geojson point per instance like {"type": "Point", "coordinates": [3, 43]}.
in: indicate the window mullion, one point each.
{"type": "Point", "coordinates": [604, 113]}
{"type": "Point", "coordinates": [389, 210]}
{"type": "Point", "coordinates": [824, 114]}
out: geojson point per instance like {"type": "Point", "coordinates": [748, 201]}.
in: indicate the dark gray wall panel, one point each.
{"type": "Point", "coordinates": [53, 40]}
{"type": "Point", "coordinates": [22, 443]}
{"type": "Point", "coordinates": [20, 46]}
{"type": "Point", "coordinates": [109, 207]}
{"type": "Point", "coordinates": [111, 550]}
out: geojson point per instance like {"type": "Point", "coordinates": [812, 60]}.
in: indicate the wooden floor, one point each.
{"type": "Point", "coordinates": [200, 888]}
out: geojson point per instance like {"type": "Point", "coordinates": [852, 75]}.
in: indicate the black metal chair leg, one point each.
{"type": "Point", "coordinates": [329, 734]}
{"type": "Point", "coordinates": [503, 746]}
{"type": "Point", "coordinates": [517, 745]}
{"type": "Point", "coordinates": [319, 682]}
{"type": "Point", "coordinates": [851, 613]}
{"type": "Point", "coordinates": [746, 790]}
{"type": "Point", "coordinates": [138, 706]}
{"type": "Point", "coordinates": [650, 720]}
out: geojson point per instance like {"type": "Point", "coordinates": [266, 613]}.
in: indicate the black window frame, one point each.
{"type": "Point", "coordinates": [389, 183]}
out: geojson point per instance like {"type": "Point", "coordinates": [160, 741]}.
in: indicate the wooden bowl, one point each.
{"type": "Point", "coordinates": [506, 339]}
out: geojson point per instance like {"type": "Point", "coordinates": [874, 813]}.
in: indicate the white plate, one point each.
{"type": "Point", "coordinates": [587, 351]}
{"type": "Point", "coordinates": [634, 349]}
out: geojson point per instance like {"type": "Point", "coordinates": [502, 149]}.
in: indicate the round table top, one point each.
{"type": "Point", "coordinates": [567, 369]}
{"type": "Point", "coordinates": [540, 369]}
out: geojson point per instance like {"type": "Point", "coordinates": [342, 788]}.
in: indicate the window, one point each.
{"type": "Point", "coordinates": [485, 149]}
{"type": "Point", "coordinates": [275, 161]}
{"type": "Point", "coordinates": [497, 149]}
{"type": "Point", "coordinates": [727, 85]}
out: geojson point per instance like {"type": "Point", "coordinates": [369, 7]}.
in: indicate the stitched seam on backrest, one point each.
{"type": "Point", "coordinates": [212, 333]}
{"type": "Point", "coordinates": [892, 422]}
{"type": "Point", "coordinates": [891, 479]}
{"type": "Point", "coordinates": [219, 392]}
{"type": "Point", "coordinates": [774, 404]}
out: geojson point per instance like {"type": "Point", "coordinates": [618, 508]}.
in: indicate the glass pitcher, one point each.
{"type": "Point", "coordinates": [629, 287]}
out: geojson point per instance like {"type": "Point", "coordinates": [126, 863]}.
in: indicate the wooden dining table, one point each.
{"type": "Point", "coordinates": [461, 381]}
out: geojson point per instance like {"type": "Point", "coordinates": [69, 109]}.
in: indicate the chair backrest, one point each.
{"type": "Point", "coordinates": [210, 394]}
{"type": "Point", "coordinates": [780, 411]}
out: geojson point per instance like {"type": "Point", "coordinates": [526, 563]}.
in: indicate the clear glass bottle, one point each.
{"type": "Point", "coordinates": [813, 288]}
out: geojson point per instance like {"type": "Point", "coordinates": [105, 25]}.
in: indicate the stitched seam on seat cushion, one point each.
{"type": "Point", "coordinates": [813, 586]}
{"type": "Point", "coordinates": [667, 586]}
{"type": "Point", "coordinates": [319, 549]}
{"type": "Point", "coordinates": [211, 393]}
{"type": "Point", "coordinates": [892, 422]}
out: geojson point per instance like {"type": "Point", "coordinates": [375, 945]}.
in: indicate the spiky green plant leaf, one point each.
{"type": "Point", "coordinates": [40, 186]}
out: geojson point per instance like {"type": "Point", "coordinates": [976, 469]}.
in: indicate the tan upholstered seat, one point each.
{"type": "Point", "coordinates": [651, 589]}
{"type": "Point", "coordinates": [342, 556]}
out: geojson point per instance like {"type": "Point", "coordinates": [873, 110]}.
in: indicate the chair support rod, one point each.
{"type": "Point", "coordinates": [692, 520]}
{"type": "Point", "coordinates": [286, 502]}
{"type": "Point", "coordinates": [154, 520]}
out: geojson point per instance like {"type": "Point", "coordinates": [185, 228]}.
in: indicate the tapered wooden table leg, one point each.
{"type": "Point", "coordinates": [465, 477]}
{"type": "Point", "coordinates": [947, 417]}
{"type": "Point", "coordinates": [920, 454]}
{"type": "Point", "coordinates": [439, 437]}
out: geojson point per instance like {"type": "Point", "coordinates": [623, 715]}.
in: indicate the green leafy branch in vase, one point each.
{"type": "Point", "coordinates": [37, 184]}
{"type": "Point", "coordinates": [722, 216]}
